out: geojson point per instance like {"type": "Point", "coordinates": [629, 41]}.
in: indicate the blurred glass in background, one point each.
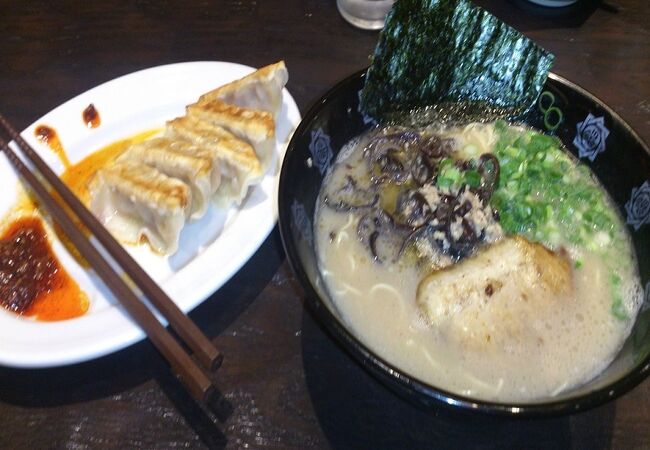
{"type": "Point", "coordinates": [365, 14]}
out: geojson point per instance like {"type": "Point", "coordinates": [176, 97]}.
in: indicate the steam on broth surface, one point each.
{"type": "Point", "coordinates": [481, 259]}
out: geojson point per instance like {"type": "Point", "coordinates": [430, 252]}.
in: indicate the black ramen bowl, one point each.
{"type": "Point", "coordinates": [588, 128]}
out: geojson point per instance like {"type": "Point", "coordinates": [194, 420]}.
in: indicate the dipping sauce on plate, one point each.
{"type": "Point", "coordinates": [91, 117]}
{"type": "Point", "coordinates": [32, 281]}
{"type": "Point", "coordinates": [48, 136]}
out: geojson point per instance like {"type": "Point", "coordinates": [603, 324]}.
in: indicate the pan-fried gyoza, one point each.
{"type": "Point", "coordinates": [223, 145]}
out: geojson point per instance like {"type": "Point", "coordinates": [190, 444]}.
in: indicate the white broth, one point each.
{"type": "Point", "coordinates": [535, 348]}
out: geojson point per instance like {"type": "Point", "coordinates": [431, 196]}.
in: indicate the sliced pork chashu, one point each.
{"type": "Point", "coordinates": [496, 296]}
{"type": "Point", "coordinates": [238, 162]}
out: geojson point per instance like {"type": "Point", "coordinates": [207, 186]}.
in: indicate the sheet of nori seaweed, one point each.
{"type": "Point", "coordinates": [439, 51]}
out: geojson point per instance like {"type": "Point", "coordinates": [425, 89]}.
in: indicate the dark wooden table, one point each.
{"type": "Point", "coordinates": [285, 382]}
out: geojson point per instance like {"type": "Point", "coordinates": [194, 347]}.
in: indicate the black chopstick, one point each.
{"type": "Point", "coordinates": [196, 381]}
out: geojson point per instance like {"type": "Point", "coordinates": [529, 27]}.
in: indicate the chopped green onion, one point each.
{"type": "Point", "coordinates": [473, 178]}
{"type": "Point", "coordinates": [538, 177]}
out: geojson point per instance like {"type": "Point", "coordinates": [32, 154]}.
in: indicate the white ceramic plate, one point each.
{"type": "Point", "coordinates": [211, 250]}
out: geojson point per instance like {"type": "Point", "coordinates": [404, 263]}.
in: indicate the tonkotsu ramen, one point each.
{"type": "Point", "coordinates": [482, 259]}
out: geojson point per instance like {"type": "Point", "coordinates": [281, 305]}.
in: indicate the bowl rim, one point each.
{"type": "Point", "coordinates": [388, 372]}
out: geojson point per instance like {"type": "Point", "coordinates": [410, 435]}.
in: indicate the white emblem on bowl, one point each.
{"type": "Point", "coordinates": [590, 138]}
{"type": "Point", "coordinates": [638, 207]}
{"type": "Point", "coordinates": [321, 150]}
{"type": "Point", "coordinates": [301, 221]}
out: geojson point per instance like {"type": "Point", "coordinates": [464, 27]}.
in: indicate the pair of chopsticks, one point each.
{"type": "Point", "coordinates": [192, 376]}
